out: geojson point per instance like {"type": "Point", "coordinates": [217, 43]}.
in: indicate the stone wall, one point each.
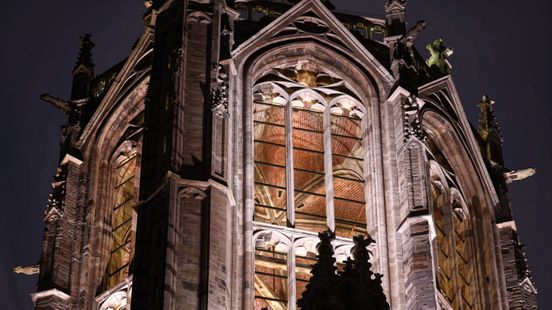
{"type": "Point", "coordinates": [522, 294]}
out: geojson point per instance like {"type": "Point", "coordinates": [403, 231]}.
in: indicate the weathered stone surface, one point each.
{"type": "Point", "coordinates": [191, 234]}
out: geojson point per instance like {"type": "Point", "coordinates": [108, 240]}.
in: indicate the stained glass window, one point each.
{"type": "Point", "coordinates": [309, 175]}
{"type": "Point", "coordinates": [122, 216]}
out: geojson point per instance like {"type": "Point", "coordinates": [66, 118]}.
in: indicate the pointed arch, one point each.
{"type": "Point", "coordinates": [307, 164]}
{"type": "Point", "coordinates": [113, 146]}
{"type": "Point", "coordinates": [466, 192]}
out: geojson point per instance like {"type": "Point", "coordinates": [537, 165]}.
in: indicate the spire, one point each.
{"type": "Point", "coordinates": [357, 287]}
{"type": "Point", "coordinates": [489, 130]}
{"type": "Point", "coordinates": [84, 69]}
{"type": "Point", "coordinates": [373, 290]}
{"type": "Point", "coordinates": [395, 12]}
{"type": "Point", "coordinates": [319, 291]}
{"type": "Point", "coordinates": [487, 117]}
{"type": "Point", "coordinates": [85, 53]}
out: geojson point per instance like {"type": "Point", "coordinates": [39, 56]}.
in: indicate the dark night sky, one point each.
{"type": "Point", "coordinates": [501, 47]}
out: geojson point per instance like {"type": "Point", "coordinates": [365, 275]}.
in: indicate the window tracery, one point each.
{"type": "Point", "coordinates": [457, 279]}
{"type": "Point", "coordinates": [125, 170]}
{"type": "Point", "coordinates": [309, 132]}
{"type": "Point", "coordinates": [283, 260]}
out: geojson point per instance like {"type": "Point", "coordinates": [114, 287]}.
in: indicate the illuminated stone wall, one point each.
{"type": "Point", "coordinates": [230, 138]}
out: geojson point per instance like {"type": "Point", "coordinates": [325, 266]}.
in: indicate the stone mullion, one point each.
{"type": "Point", "coordinates": [328, 170]}
{"type": "Point", "coordinates": [365, 171]}
{"type": "Point", "coordinates": [417, 244]}
{"type": "Point", "coordinates": [292, 288]}
{"type": "Point", "coordinates": [417, 237]}
{"type": "Point", "coordinates": [290, 179]}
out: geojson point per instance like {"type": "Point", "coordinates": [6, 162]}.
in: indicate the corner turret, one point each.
{"type": "Point", "coordinates": [395, 12]}
{"type": "Point", "coordinates": [83, 73]}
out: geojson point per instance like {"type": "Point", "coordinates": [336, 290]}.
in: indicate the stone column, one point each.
{"type": "Point", "coordinates": [412, 220]}
{"type": "Point", "coordinates": [416, 236]}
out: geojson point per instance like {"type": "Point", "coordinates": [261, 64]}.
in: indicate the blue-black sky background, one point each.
{"type": "Point", "coordinates": [502, 48]}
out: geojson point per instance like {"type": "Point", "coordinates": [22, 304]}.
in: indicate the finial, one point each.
{"type": "Point", "coordinates": [391, 2]}
{"type": "Point", "coordinates": [489, 131]}
{"type": "Point", "coordinates": [356, 287]}
{"type": "Point", "coordinates": [488, 122]}
{"type": "Point", "coordinates": [85, 53]}
{"type": "Point", "coordinates": [318, 292]}
{"type": "Point", "coordinates": [395, 21]}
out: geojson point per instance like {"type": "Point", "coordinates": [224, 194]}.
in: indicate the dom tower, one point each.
{"type": "Point", "coordinates": [198, 172]}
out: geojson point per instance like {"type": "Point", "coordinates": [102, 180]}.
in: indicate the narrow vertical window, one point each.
{"type": "Point", "coordinates": [457, 278]}
{"type": "Point", "coordinates": [443, 231]}
{"type": "Point", "coordinates": [463, 251]}
{"type": "Point", "coordinates": [305, 257]}
{"type": "Point", "coordinates": [309, 177]}
{"type": "Point", "coordinates": [348, 171]}
{"type": "Point", "coordinates": [308, 168]}
{"type": "Point", "coordinates": [271, 275]}
{"type": "Point", "coordinates": [270, 158]}
{"type": "Point", "coordinates": [121, 254]}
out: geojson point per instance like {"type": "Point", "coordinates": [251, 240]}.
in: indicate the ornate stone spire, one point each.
{"type": "Point", "coordinates": [490, 131]}
{"type": "Point", "coordinates": [85, 53]}
{"type": "Point", "coordinates": [487, 117]}
{"type": "Point", "coordinates": [319, 293]}
{"type": "Point", "coordinates": [357, 287]}
{"type": "Point", "coordinates": [395, 11]}
{"type": "Point", "coordinates": [373, 290]}
{"type": "Point", "coordinates": [84, 69]}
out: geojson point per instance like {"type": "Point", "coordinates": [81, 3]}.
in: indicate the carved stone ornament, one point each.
{"type": "Point", "coordinates": [412, 123]}
{"type": "Point", "coordinates": [356, 287]}
{"type": "Point", "coordinates": [219, 93]}
{"type": "Point", "coordinates": [57, 195]}
{"type": "Point", "coordinates": [193, 192]}
{"type": "Point", "coordinates": [439, 55]}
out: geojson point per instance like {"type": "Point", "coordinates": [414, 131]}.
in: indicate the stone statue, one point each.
{"type": "Point", "coordinates": [439, 55]}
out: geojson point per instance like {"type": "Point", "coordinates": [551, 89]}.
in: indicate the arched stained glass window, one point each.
{"type": "Point", "coordinates": [125, 178]}
{"type": "Point", "coordinates": [464, 252]}
{"type": "Point", "coordinates": [443, 236]}
{"type": "Point", "coordinates": [270, 156]}
{"type": "Point", "coordinates": [309, 132]}
{"type": "Point", "coordinates": [457, 277]}
{"type": "Point", "coordinates": [348, 168]}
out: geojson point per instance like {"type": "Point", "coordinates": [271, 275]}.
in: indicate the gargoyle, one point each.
{"type": "Point", "coordinates": [413, 33]}
{"type": "Point", "coordinates": [27, 270]}
{"type": "Point", "coordinates": [66, 107]}
{"type": "Point", "coordinates": [439, 55]}
{"type": "Point", "coordinates": [519, 175]}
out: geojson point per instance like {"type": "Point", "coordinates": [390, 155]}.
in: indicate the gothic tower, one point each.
{"type": "Point", "coordinates": [198, 172]}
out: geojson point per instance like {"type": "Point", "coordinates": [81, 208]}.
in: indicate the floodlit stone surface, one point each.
{"type": "Point", "coordinates": [198, 174]}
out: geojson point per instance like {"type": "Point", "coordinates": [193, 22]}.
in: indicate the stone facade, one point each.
{"type": "Point", "coordinates": [194, 176]}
